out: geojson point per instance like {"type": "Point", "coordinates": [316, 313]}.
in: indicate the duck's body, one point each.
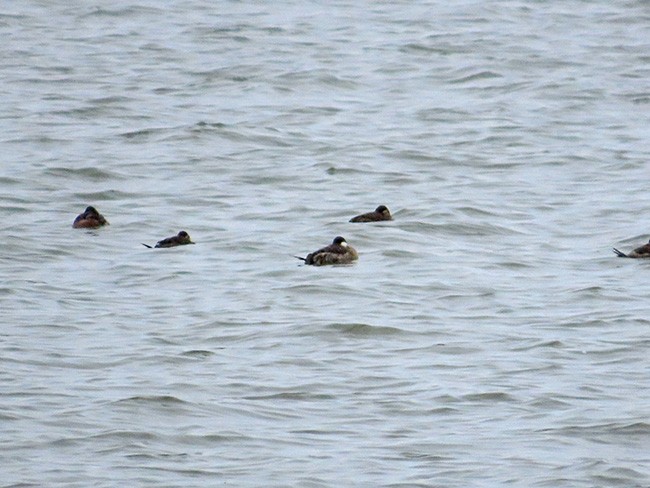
{"type": "Point", "coordinates": [89, 219]}
{"type": "Point", "coordinates": [639, 252]}
{"type": "Point", "coordinates": [338, 252]}
{"type": "Point", "coordinates": [379, 214]}
{"type": "Point", "coordinates": [181, 239]}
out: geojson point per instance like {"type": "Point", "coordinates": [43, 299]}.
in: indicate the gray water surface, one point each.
{"type": "Point", "coordinates": [487, 336]}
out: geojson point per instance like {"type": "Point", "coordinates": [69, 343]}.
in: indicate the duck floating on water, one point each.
{"type": "Point", "coordinates": [181, 239]}
{"type": "Point", "coordinates": [379, 214]}
{"type": "Point", "coordinates": [89, 219]}
{"type": "Point", "coordinates": [338, 252]}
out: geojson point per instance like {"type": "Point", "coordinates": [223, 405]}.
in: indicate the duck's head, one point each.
{"type": "Point", "coordinates": [184, 237]}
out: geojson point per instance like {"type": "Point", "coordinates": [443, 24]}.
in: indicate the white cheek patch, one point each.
{"type": "Point", "coordinates": [344, 244]}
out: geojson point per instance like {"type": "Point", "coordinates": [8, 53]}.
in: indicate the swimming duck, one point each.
{"type": "Point", "coordinates": [89, 219]}
{"type": "Point", "coordinates": [338, 252]}
{"type": "Point", "coordinates": [180, 239]}
{"type": "Point", "coordinates": [639, 252]}
{"type": "Point", "coordinates": [380, 213]}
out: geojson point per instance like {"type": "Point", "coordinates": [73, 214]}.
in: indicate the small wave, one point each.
{"type": "Point", "coordinates": [415, 155]}
{"type": "Point", "coordinates": [400, 253]}
{"type": "Point", "coordinates": [162, 400]}
{"type": "Point", "coordinates": [292, 395]}
{"type": "Point", "coordinates": [555, 344]}
{"type": "Point", "coordinates": [636, 430]}
{"type": "Point", "coordinates": [481, 75]}
{"type": "Point", "coordinates": [104, 195]}
{"type": "Point", "coordinates": [357, 329]}
{"type": "Point", "coordinates": [143, 133]}
{"type": "Point", "coordinates": [333, 170]}
{"type": "Point", "coordinates": [458, 229]}
{"type": "Point", "coordinates": [6, 181]}
{"type": "Point", "coordinates": [437, 47]}
{"type": "Point", "coordinates": [120, 12]}
{"type": "Point", "coordinates": [320, 76]}
{"type": "Point", "coordinates": [515, 265]}
{"type": "Point", "coordinates": [87, 172]}
{"type": "Point", "coordinates": [617, 476]}
{"type": "Point", "coordinates": [202, 126]}
{"type": "Point", "coordinates": [496, 396]}
{"type": "Point", "coordinates": [125, 434]}
{"type": "Point", "coordinates": [549, 404]}
{"type": "Point", "coordinates": [198, 353]}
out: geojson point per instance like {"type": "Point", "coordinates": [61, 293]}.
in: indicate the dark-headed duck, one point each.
{"type": "Point", "coordinates": [180, 239]}
{"type": "Point", "coordinates": [639, 252]}
{"type": "Point", "coordinates": [338, 252]}
{"type": "Point", "coordinates": [90, 219]}
{"type": "Point", "coordinates": [380, 213]}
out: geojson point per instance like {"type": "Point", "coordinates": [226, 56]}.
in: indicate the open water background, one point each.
{"type": "Point", "coordinates": [486, 337]}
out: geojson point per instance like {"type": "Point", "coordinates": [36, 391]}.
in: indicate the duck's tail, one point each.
{"type": "Point", "coordinates": [302, 259]}
{"type": "Point", "coordinates": [147, 245]}
{"type": "Point", "coordinates": [619, 253]}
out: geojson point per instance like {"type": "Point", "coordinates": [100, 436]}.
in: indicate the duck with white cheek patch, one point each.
{"type": "Point", "coordinates": [338, 252]}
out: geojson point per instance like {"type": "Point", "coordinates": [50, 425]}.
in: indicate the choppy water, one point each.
{"type": "Point", "coordinates": [486, 337]}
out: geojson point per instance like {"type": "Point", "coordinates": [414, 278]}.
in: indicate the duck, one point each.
{"type": "Point", "coordinates": [639, 252]}
{"type": "Point", "coordinates": [379, 214]}
{"type": "Point", "coordinates": [338, 252]}
{"type": "Point", "coordinates": [181, 239]}
{"type": "Point", "coordinates": [89, 219]}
